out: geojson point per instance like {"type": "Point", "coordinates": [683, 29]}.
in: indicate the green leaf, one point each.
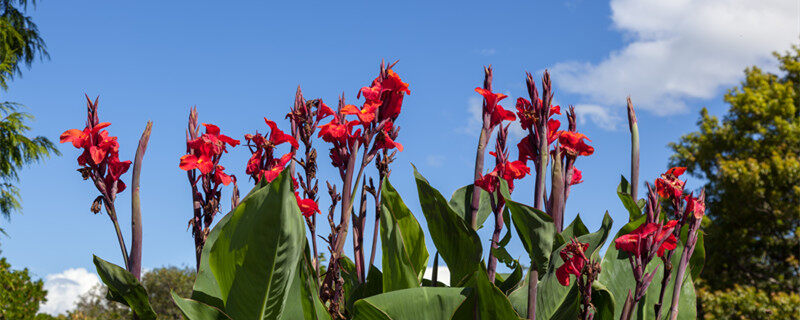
{"type": "Point", "coordinates": [624, 194]}
{"type": "Point", "coordinates": [124, 285]}
{"type": "Point", "coordinates": [617, 276]}
{"type": "Point", "coordinates": [411, 304]}
{"type": "Point", "coordinates": [254, 259]}
{"type": "Point", "coordinates": [458, 244]}
{"type": "Point", "coordinates": [491, 302]}
{"type": "Point", "coordinates": [602, 299]}
{"type": "Point", "coordinates": [206, 289]}
{"type": "Point", "coordinates": [373, 286]}
{"type": "Point", "coordinates": [536, 231]}
{"type": "Point", "coordinates": [196, 310]}
{"type": "Point", "coordinates": [303, 301]}
{"type": "Point", "coordinates": [461, 202]}
{"type": "Point", "coordinates": [551, 293]}
{"type": "Point", "coordinates": [403, 252]}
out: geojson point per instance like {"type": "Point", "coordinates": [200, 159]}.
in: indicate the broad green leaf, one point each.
{"type": "Point", "coordinates": [125, 286]}
{"type": "Point", "coordinates": [303, 301]}
{"type": "Point", "coordinates": [510, 282]}
{"type": "Point", "coordinates": [196, 310]}
{"type": "Point", "coordinates": [254, 259]}
{"type": "Point", "coordinates": [624, 194]}
{"type": "Point", "coordinates": [404, 255]}
{"type": "Point", "coordinates": [373, 286]}
{"type": "Point", "coordinates": [536, 231]}
{"type": "Point", "coordinates": [458, 244]}
{"type": "Point", "coordinates": [617, 276]}
{"type": "Point", "coordinates": [411, 304]}
{"type": "Point", "coordinates": [602, 299]}
{"type": "Point", "coordinates": [491, 302]}
{"type": "Point", "coordinates": [206, 289]}
{"type": "Point", "coordinates": [348, 272]}
{"type": "Point", "coordinates": [461, 202]}
{"type": "Point", "coordinates": [551, 293]}
{"type": "Point", "coordinates": [575, 229]}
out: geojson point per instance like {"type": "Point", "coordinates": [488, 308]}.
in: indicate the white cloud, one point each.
{"type": "Point", "coordinates": [442, 276]}
{"type": "Point", "coordinates": [435, 160]}
{"type": "Point", "coordinates": [681, 50]}
{"type": "Point", "coordinates": [487, 52]}
{"type": "Point", "coordinates": [63, 289]}
{"type": "Point", "coordinates": [475, 120]}
{"type": "Point", "coordinates": [602, 117]}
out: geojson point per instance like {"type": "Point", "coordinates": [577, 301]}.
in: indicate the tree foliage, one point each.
{"type": "Point", "coordinates": [20, 43]}
{"type": "Point", "coordinates": [748, 303]}
{"type": "Point", "coordinates": [159, 282]}
{"type": "Point", "coordinates": [19, 295]}
{"type": "Point", "coordinates": [751, 163]}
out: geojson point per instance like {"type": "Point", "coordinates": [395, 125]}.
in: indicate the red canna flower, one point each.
{"type": "Point", "coordinates": [394, 83]}
{"type": "Point", "coordinates": [574, 260]}
{"type": "Point", "coordinates": [577, 177]}
{"type": "Point", "coordinates": [220, 177]}
{"type": "Point", "coordinates": [202, 163]}
{"type": "Point", "coordinates": [278, 137]}
{"type": "Point", "coordinates": [488, 181]}
{"type": "Point", "coordinates": [499, 114]}
{"type": "Point", "coordinates": [336, 130]}
{"type": "Point", "coordinates": [636, 241]}
{"type": "Point", "coordinates": [668, 185]}
{"type": "Point", "coordinates": [307, 206]}
{"type": "Point", "coordinates": [572, 143]}
{"type": "Point", "coordinates": [100, 156]}
{"type": "Point", "coordinates": [491, 98]}
{"type": "Point", "coordinates": [528, 113]}
{"type": "Point", "coordinates": [365, 115]}
{"type": "Point", "coordinates": [695, 207]}
{"type": "Point", "coordinates": [385, 140]}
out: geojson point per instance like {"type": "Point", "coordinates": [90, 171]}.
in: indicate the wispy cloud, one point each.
{"type": "Point", "coordinates": [602, 117]}
{"type": "Point", "coordinates": [63, 289]}
{"type": "Point", "coordinates": [678, 51]}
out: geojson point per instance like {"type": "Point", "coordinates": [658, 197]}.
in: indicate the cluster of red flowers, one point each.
{"type": "Point", "coordinates": [640, 240]}
{"type": "Point", "coordinates": [204, 154]}
{"type": "Point", "coordinates": [262, 163]}
{"type": "Point", "coordinates": [574, 259]}
{"type": "Point", "coordinates": [100, 157]}
{"type": "Point", "coordinates": [382, 105]}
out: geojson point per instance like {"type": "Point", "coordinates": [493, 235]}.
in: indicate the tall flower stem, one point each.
{"type": "Point", "coordinates": [688, 250]}
{"type": "Point", "coordinates": [498, 227]}
{"type": "Point", "coordinates": [358, 234]}
{"type": "Point", "coordinates": [112, 213]}
{"type": "Point", "coordinates": [135, 258]}
{"type": "Point", "coordinates": [483, 140]}
{"type": "Point", "coordinates": [377, 195]}
{"type": "Point", "coordinates": [633, 124]}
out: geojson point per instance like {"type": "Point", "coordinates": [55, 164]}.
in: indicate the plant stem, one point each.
{"type": "Point", "coordinates": [135, 258]}
{"type": "Point", "coordinates": [483, 140]}
{"type": "Point", "coordinates": [435, 271]}
{"type": "Point", "coordinates": [688, 250]}
{"type": "Point", "coordinates": [498, 226]}
{"type": "Point", "coordinates": [376, 229]}
{"type": "Point", "coordinates": [112, 213]}
{"type": "Point", "coordinates": [633, 124]}
{"type": "Point", "coordinates": [533, 283]}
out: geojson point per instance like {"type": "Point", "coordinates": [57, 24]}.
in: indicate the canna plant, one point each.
{"type": "Point", "coordinates": [257, 262]}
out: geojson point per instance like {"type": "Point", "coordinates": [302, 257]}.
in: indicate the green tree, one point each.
{"type": "Point", "coordinates": [20, 43]}
{"type": "Point", "coordinates": [751, 164]}
{"type": "Point", "coordinates": [158, 282]}
{"type": "Point", "coordinates": [19, 295]}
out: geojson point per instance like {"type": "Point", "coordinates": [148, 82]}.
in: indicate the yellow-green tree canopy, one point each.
{"type": "Point", "coordinates": [750, 160]}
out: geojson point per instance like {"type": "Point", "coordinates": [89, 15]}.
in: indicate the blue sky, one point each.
{"type": "Point", "coordinates": [152, 60]}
